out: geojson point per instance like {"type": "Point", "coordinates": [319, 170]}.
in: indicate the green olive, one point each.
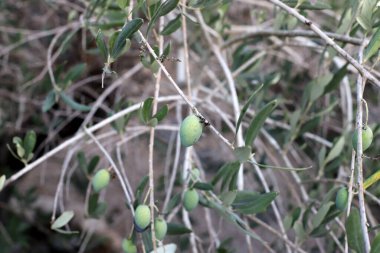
{"type": "Point", "coordinates": [142, 216]}
{"type": "Point", "coordinates": [160, 228]}
{"type": "Point", "coordinates": [128, 246]}
{"type": "Point", "coordinates": [341, 199]}
{"type": "Point", "coordinates": [101, 180]}
{"type": "Point", "coordinates": [190, 130]}
{"type": "Point", "coordinates": [367, 137]}
{"type": "Point", "coordinates": [190, 199]}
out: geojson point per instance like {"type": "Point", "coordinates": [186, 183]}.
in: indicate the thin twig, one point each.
{"type": "Point", "coordinates": [363, 71]}
{"type": "Point", "coordinates": [253, 33]}
{"type": "Point", "coordinates": [79, 136]}
{"type": "Point", "coordinates": [359, 153]}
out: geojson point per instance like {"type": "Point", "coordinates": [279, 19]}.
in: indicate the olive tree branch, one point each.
{"type": "Point", "coordinates": [79, 136]}
{"type": "Point", "coordinates": [362, 70]}
{"type": "Point", "coordinates": [359, 153]}
{"type": "Point", "coordinates": [252, 33]}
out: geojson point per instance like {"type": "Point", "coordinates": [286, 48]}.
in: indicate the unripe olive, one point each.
{"type": "Point", "coordinates": [128, 246]}
{"type": "Point", "coordinates": [190, 199]}
{"type": "Point", "coordinates": [142, 216]}
{"type": "Point", "coordinates": [101, 179]}
{"type": "Point", "coordinates": [190, 130]}
{"type": "Point", "coordinates": [341, 199]}
{"type": "Point", "coordinates": [160, 228]}
{"type": "Point", "coordinates": [367, 137]}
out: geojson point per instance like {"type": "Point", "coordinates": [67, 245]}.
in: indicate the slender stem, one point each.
{"type": "Point", "coordinates": [327, 39]}
{"type": "Point", "coordinates": [79, 136]}
{"type": "Point", "coordinates": [359, 154]}
{"type": "Point", "coordinates": [151, 141]}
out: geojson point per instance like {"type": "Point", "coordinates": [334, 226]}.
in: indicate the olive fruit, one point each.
{"type": "Point", "coordinates": [160, 228]}
{"type": "Point", "coordinates": [190, 130]}
{"type": "Point", "coordinates": [128, 246]}
{"type": "Point", "coordinates": [101, 179]}
{"type": "Point", "coordinates": [190, 199]}
{"type": "Point", "coordinates": [142, 216]}
{"type": "Point", "coordinates": [367, 137]}
{"type": "Point", "coordinates": [341, 199]}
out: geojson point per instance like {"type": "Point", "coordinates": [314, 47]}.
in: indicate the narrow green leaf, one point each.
{"type": "Point", "coordinates": [162, 10]}
{"type": "Point", "coordinates": [92, 204]}
{"type": "Point", "coordinates": [2, 182]}
{"type": "Point", "coordinates": [49, 101]}
{"type": "Point", "coordinates": [223, 171]}
{"type": "Point", "coordinates": [203, 186]}
{"type": "Point", "coordinates": [167, 7]}
{"type": "Point", "coordinates": [141, 187]}
{"type": "Point", "coordinates": [375, 246]}
{"type": "Point", "coordinates": [365, 16]}
{"type": "Point", "coordinates": [101, 44]}
{"type": "Point", "coordinates": [372, 179]}
{"type": "Point", "coordinates": [174, 201]}
{"type": "Point", "coordinates": [73, 104]}
{"type": "Point", "coordinates": [247, 202]}
{"type": "Point", "coordinates": [373, 46]}
{"type": "Point", "coordinates": [82, 162]}
{"type": "Point", "coordinates": [172, 26]}
{"type": "Point", "coordinates": [245, 107]}
{"type": "Point", "coordinates": [336, 150]}
{"type": "Point", "coordinates": [29, 142]}
{"type": "Point", "coordinates": [317, 219]}
{"type": "Point", "coordinates": [177, 229]}
{"type": "Point", "coordinates": [146, 110]}
{"type": "Point", "coordinates": [167, 51]}
{"type": "Point", "coordinates": [74, 73]}
{"type": "Point", "coordinates": [93, 164]}
{"type": "Point", "coordinates": [243, 154]}
{"type": "Point", "coordinates": [63, 219]}
{"type": "Point", "coordinates": [318, 86]}
{"type": "Point", "coordinates": [337, 78]}
{"type": "Point", "coordinates": [20, 151]}
{"type": "Point", "coordinates": [354, 231]}
{"type": "Point", "coordinates": [230, 179]}
{"type": "Point", "coordinates": [291, 218]}
{"type": "Point", "coordinates": [228, 197]}
{"type": "Point", "coordinates": [258, 122]}
{"type": "Point", "coordinates": [126, 33]}
{"type": "Point", "coordinates": [161, 114]}
{"type": "Point", "coordinates": [152, 122]}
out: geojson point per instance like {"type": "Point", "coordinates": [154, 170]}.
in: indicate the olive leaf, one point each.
{"type": "Point", "coordinates": [73, 104]}
{"type": "Point", "coordinates": [373, 45]}
{"type": "Point", "coordinates": [49, 101]}
{"type": "Point", "coordinates": [177, 229]}
{"type": "Point", "coordinates": [354, 231]}
{"type": "Point", "coordinates": [126, 33]}
{"type": "Point", "coordinates": [162, 10]}
{"type": "Point", "coordinates": [245, 107]}
{"type": "Point", "coordinates": [248, 202]}
{"type": "Point", "coordinates": [258, 122]}
{"type": "Point", "coordinates": [174, 201]}
{"type": "Point", "coordinates": [101, 44]}
{"type": "Point", "coordinates": [62, 220]}
{"type": "Point", "coordinates": [172, 26]}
